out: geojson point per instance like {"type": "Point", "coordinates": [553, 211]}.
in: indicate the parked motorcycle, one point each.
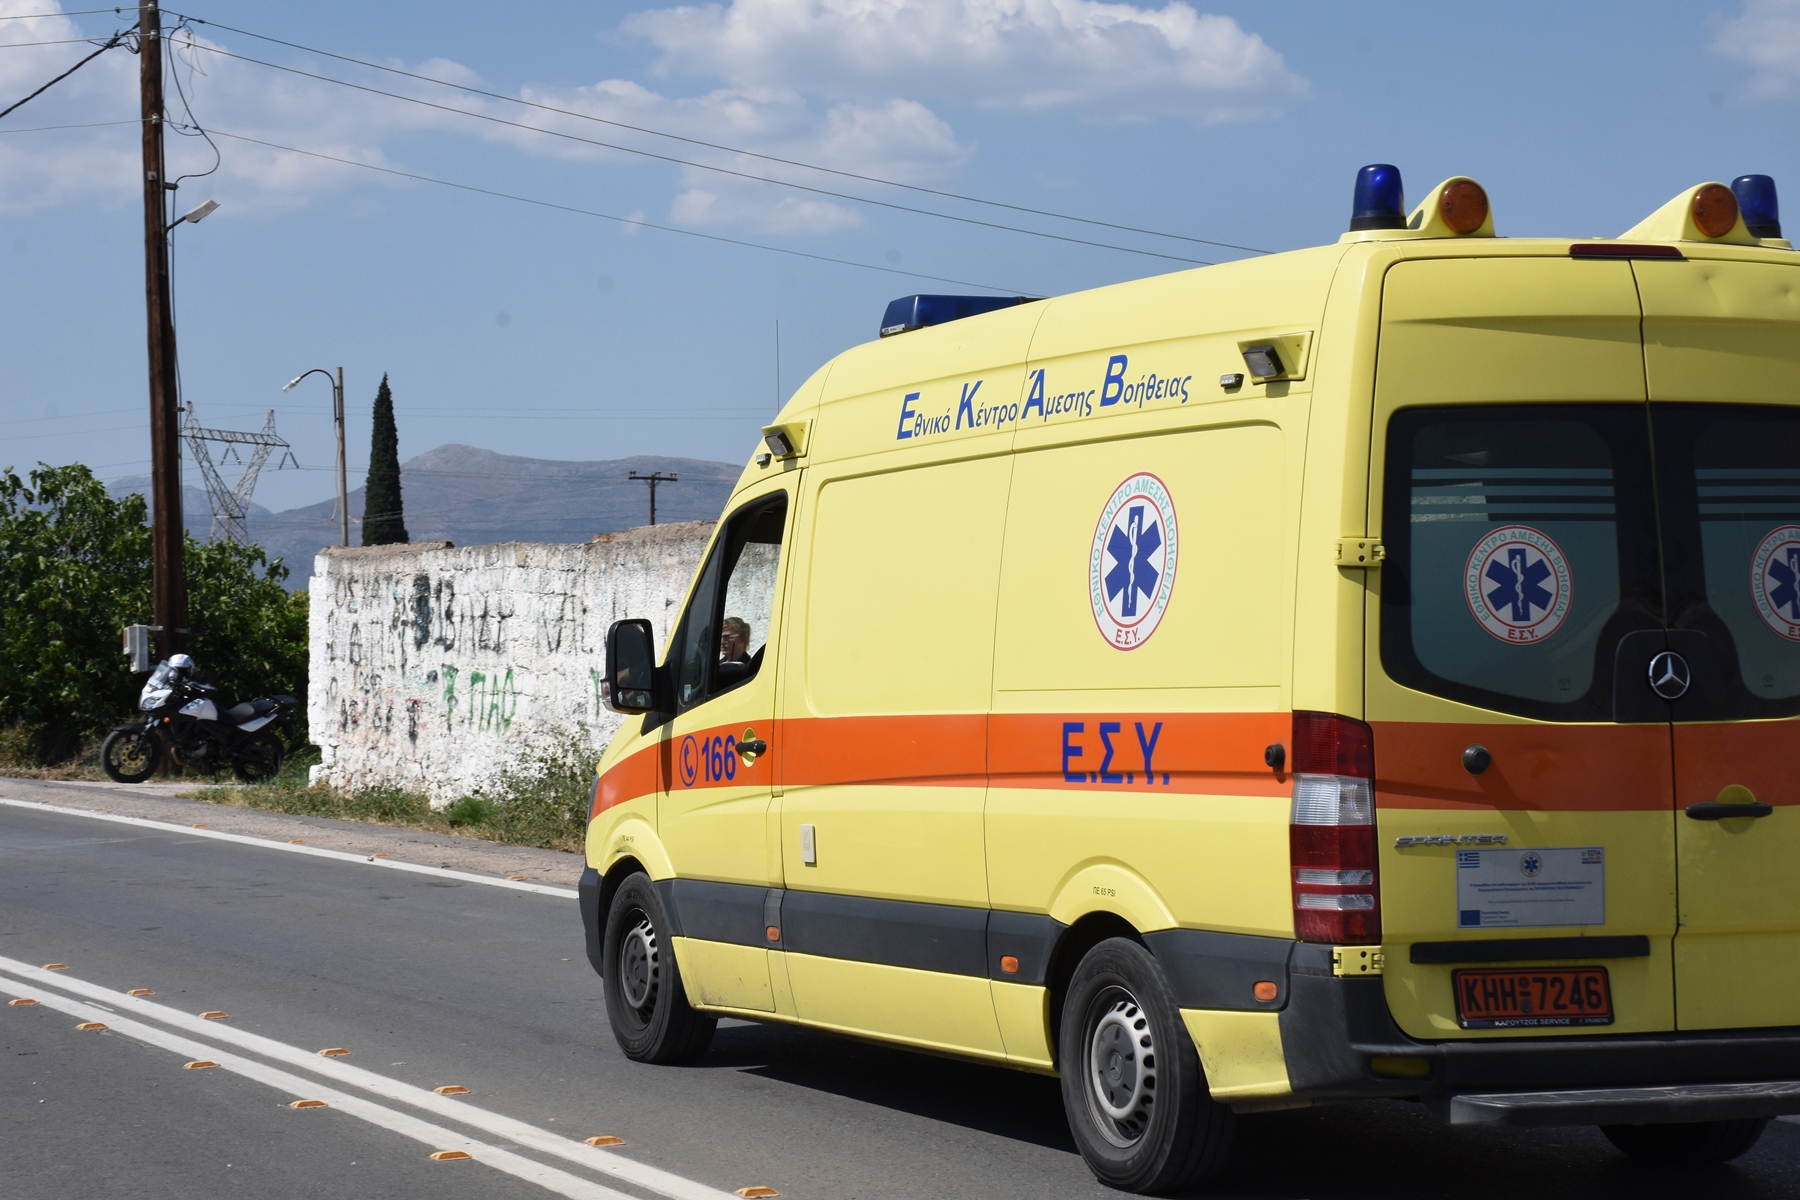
{"type": "Point", "coordinates": [186, 723]}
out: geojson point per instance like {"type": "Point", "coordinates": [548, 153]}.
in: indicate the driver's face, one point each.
{"type": "Point", "coordinates": [732, 645]}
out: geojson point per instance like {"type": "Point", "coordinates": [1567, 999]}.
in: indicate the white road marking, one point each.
{"type": "Point", "coordinates": [434, 1136]}
{"type": "Point", "coordinates": [317, 852]}
{"type": "Point", "coordinates": [627, 1170]}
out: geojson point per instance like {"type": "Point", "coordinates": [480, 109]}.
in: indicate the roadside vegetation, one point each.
{"type": "Point", "coordinates": [542, 802]}
{"type": "Point", "coordinates": [74, 571]}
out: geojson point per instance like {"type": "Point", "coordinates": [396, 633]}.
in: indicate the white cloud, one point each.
{"type": "Point", "coordinates": [1105, 61]}
{"type": "Point", "coordinates": [1767, 36]}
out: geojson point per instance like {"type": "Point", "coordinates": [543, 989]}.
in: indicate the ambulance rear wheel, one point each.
{"type": "Point", "coordinates": [1132, 1084]}
{"type": "Point", "coordinates": [645, 1001]}
{"type": "Point", "coordinates": [1690, 1144]}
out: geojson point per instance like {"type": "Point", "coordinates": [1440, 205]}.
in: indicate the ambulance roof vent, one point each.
{"type": "Point", "coordinates": [1380, 199]}
{"type": "Point", "coordinates": [916, 312]}
{"type": "Point", "coordinates": [1756, 201]}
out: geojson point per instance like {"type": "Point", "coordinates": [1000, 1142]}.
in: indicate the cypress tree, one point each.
{"type": "Point", "coordinates": [384, 521]}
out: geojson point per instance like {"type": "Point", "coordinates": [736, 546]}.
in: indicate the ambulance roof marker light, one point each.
{"type": "Point", "coordinates": [1756, 201]}
{"type": "Point", "coordinates": [1380, 201]}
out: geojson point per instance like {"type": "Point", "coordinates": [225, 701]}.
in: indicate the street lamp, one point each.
{"type": "Point", "coordinates": [337, 402]}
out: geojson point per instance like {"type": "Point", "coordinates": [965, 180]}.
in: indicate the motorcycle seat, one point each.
{"type": "Point", "coordinates": [248, 710]}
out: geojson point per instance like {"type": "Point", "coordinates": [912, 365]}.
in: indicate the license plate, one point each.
{"type": "Point", "coordinates": [1530, 997]}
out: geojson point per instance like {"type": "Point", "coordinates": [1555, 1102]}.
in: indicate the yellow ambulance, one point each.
{"type": "Point", "coordinates": [1359, 672]}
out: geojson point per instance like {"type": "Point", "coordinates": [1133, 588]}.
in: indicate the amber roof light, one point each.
{"type": "Point", "coordinates": [1465, 206]}
{"type": "Point", "coordinates": [1715, 210]}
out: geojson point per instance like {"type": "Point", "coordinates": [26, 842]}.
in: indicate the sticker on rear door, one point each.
{"type": "Point", "coordinates": [1525, 889]}
{"type": "Point", "coordinates": [1131, 570]}
{"type": "Point", "coordinates": [1518, 584]}
{"type": "Point", "coordinates": [1775, 581]}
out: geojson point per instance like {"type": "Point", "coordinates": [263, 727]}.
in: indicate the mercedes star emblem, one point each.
{"type": "Point", "coordinates": [1669, 675]}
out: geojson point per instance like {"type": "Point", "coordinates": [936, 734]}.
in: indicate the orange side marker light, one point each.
{"type": "Point", "coordinates": [309, 1104]}
{"type": "Point", "coordinates": [605, 1141]}
{"type": "Point", "coordinates": [199, 1064]}
{"type": "Point", "coordinates": [1265, 990]}
{"type": "Point", "coordinates": [447, 1155]}
{"type": "Point", "coordinates": [451, 1089]}
{"type": "Point", "coordinates": [92, 1026]}
{"type": "Point", "coordinates": [773, 933]}
{"type": "Point", "coordinates": [1009, 964]}
{"type": "Point", "coordinates": [214, 1015]}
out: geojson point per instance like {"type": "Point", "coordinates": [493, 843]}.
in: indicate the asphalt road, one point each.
{"type": "Point", "coordinates": [431, 981]}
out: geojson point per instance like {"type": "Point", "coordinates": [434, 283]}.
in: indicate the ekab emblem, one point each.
{"type": "Point", "coordinates": [1131, 571]}
{"type": "Point", "coordinates": [1775, 581]}
{"type": "Point", "coordinates": [1518, 584]}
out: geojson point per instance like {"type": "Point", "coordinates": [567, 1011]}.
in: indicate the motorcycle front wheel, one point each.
{"type": "Point", "coordinates": [129, 755]}
{"type": "Point", "coordinates": [259, 759]}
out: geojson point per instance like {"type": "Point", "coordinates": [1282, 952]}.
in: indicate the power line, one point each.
{"type": "Point", "coordinates": [669, 158]}
{"type": "Point", "coordinates": [114, 40]}
{"type": "Point", "coordinates": [586, 212]}
{"type": "Point", "coordinates": [81, 12]}
{"type": "Point", "coordinates": [86, 125]}
{"type": "Point", "coordinates": [57, 42]}
{"type": "Point", "coordinates": [1039, 212]}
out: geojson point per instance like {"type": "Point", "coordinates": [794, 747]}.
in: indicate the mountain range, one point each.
{"type": "Point", "coordinates": [474, 497]}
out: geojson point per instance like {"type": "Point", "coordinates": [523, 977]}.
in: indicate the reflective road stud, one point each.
{"type": "Point", "coordinates": [448, 1155]}
{"type": "Point", "coordinates": [605, 1141]}
{"type": "Point", "coordinates": [755, 1190]}
{"type": "Point", "coordinates": [334, 1052]}
{"type": "Point", "coordinates": [140, 992]}
{"type": "Point", "coordinates": [91, 1025]}
{"type": "Point", "coordinates": [21, 1001]}
{"type": "Point", "coordinates": [451, 1089]}
{"type": "Point", "coordinates": [214, 1015]}
{"type": "Point", "coordinates": [199, 1064]}
{"type": "Point", "coordinates": [56, 966]}
{"type": "Point", "coordinates": [309, 1104]}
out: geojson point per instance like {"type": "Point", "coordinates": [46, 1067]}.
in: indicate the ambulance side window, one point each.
{"type": "Point", "coordinates": [1521, 546]}
{"type": "Point", "coordinates": [725, 631]}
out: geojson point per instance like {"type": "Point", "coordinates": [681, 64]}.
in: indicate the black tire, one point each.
{"type": "Point", "coordinates": [1132, 1084]}
{"type": "Point", "coordinates": [645, 1000]}
{"type": "Point", "coordinates": [259, 759]}
{"type": "Point", "coordinates": [130, 755]}
{"type": "Point", "coordinates": [1691, 1144]}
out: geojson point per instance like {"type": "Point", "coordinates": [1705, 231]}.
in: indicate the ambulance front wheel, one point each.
{"type": "Point", "coordinates": [1691, 1144]}
{"type": "Point", "coordinates": [1132, 1085]}
{"type": "Point", "coordinates": [645, 1002]}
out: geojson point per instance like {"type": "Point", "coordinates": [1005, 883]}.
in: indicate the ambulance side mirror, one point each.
{"type": "Point", "coordinates": [631, 675]}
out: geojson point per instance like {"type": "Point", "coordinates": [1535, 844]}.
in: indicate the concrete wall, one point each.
{"type": "Point", "coordinates": [436, 668]}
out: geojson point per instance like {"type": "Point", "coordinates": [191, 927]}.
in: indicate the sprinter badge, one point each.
{"type": "Point", "coordinates": [1518, 584]}
{"type": "Point", "coordinates": [1131, 570]}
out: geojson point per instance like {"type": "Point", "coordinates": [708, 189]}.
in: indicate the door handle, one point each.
{"type": "Point", "coordinates": [1712, 810]}
{"type": "Point", "coordinates": [750, 745]}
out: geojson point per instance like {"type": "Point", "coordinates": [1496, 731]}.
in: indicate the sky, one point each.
{"type": "Point", "coordinates": [534, 330]}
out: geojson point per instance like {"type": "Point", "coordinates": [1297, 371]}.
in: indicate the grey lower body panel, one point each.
{"type": "Point", "coordinates": [1626, 1106]}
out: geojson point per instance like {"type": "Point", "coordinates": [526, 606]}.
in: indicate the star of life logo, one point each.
{"type": "Point", "coordinates": [1775, 581]}
{"type": "Point", "coordinates": [1131, 571]}
{"type": "Point", "coordinates": [1518, 584]}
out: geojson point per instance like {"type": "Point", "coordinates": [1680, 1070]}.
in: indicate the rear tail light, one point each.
{"type": "Point", "coordinates": [1331, 835]}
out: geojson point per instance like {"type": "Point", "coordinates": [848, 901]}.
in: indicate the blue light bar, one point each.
{"type": "Point", "coordinates": [1756, 201]}
{"type": "Point", "coordinates": [916, 312]}
{"type": "Point", "coordinates": [1380, 199]}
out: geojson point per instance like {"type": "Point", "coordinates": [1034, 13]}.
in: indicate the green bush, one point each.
{"type": "Point", "coordinates": [470, 810]}
{"type": "Point", "coordinates": [75, 570]}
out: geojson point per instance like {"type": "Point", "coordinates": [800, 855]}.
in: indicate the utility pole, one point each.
{"type": "Point", "coordinates": [169, 582]}
{"type": "Point", "coordinates": [337, 411]}
{"type": "Point", "coordinates": [653, 478]}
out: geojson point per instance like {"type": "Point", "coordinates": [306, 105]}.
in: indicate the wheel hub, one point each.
{"type": "Point", "coordinates": [639, 967]}
{"type": "Point", "coordinates": [1122, 1070]}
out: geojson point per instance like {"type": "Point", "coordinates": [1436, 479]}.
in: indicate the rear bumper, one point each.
{"type": "Point", "coordinates": [1334, 1029]}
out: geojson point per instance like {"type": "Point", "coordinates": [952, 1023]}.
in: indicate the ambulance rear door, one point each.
{"type": "Point", "coordinates": [1524, 805]}
{"type": "Point", "coordinates": [1722, 358]}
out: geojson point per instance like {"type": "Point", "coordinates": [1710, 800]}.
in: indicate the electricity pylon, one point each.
{"type": "Point", "coordinates": [231, 505]}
